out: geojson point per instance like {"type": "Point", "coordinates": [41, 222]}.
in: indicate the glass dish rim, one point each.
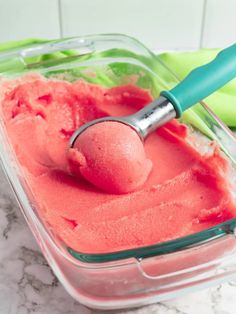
{"type": "Point", "coordinates": [158, 249]}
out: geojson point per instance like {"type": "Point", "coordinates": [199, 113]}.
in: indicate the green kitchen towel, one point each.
{"type": "Point", "coordinates": [222, 102]}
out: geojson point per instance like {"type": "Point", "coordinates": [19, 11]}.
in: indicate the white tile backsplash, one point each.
{"type": "Point", "coordinates": [21, 19]}
{"type": "Point", "coordinates": [219, 23]}
{"type": "Point", "coordinates": [168, 24]}
{"type": "Point", "coordinates": [160, 24]}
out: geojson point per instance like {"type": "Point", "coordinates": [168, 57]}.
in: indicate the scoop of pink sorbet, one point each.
{"type": "Point", "coordinates": [111, 156]}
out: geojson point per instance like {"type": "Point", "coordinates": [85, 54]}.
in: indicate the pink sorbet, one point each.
{"type": "Point", "coordinates": [185, 192]}
{"type": "Point", "coordinates": [111, 156]}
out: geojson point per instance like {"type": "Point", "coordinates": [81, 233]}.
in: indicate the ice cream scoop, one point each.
{"type": "Point", "coordinates": [200, 83]}
{"type": "Point", "coordinates": [116, 166]}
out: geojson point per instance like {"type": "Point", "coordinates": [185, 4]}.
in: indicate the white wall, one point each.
{"type": "Point", "coordinates": [160, 24]}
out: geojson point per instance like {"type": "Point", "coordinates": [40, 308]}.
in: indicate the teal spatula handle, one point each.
{"type": "Point", "coordinates": [203, 81]}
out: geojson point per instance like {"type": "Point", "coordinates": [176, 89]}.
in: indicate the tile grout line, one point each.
{"type": "Point", "coordinates": [60, 18]}
{"type": "Point", "coordinates": [204, 9]}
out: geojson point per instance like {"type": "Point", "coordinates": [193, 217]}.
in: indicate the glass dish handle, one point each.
{"type": "Point", "coordinates": [84, 46]}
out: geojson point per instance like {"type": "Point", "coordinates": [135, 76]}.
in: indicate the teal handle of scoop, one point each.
{"type": "Point", "coordinates": [203, 81]}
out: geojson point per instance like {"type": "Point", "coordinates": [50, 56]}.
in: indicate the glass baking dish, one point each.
{"type": "Point", "coordinates": [141, 275]}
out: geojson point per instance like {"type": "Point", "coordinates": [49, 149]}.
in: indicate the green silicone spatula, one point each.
{"type": "Point", "coordinates": [200, 83]}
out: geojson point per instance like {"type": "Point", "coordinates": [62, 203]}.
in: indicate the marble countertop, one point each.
{"type": "Point", "coordinates": [27, 284]}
